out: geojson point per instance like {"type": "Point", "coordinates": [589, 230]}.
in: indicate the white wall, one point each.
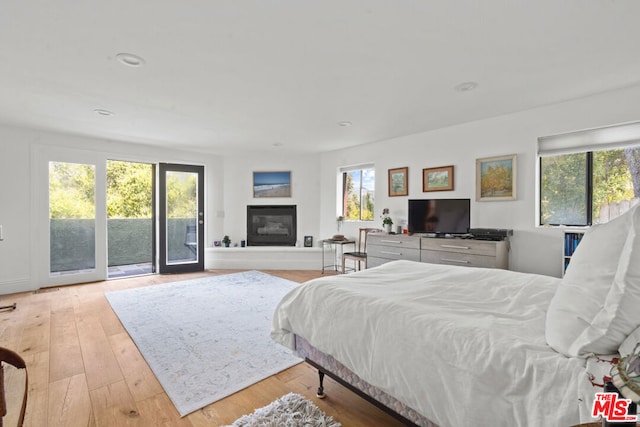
{"type": "Point", "coordinates": [534, 249]}
{"type": "Point", "coordinates": [18, 251]}
{"type": "Point", "coordinates": [238, 191]}
{"type": "Point", "coordinates": [14, 210]}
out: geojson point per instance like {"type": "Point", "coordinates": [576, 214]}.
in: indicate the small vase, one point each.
{"type": "Point", "coordinates": [387, 228]}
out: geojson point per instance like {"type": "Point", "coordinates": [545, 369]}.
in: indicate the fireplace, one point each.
{"type": "Point", "coordinates": [271, 225]}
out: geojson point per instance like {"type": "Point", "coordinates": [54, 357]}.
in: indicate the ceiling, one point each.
{"type": "Point", "coordinates": [268, 75]}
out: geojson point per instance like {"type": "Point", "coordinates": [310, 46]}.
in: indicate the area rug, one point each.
{"type": "Point", "coordinates": [291, 410]}
{"type": "Point", "coordinates": [206, 338]}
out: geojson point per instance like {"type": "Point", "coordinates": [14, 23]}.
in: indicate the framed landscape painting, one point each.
{"type": "Point", "coordinates": [272, 184]}
{"type": "Point", "coordinates": [437, 179]}
{"type": "Point", "coordinates": [496, 178]}
{"type": "Point", "coordinates": [398, 182]}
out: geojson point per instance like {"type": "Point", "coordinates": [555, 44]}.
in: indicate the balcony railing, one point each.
{"type": "Point", "coordinates": [129, 242]}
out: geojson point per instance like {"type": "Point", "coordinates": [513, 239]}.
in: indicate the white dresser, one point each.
{"type": "Point", "coordinates": [383, 248]}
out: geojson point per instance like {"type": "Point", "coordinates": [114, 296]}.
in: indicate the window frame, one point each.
{"type": "Point", "coordinates": [586, 141]}
{"type": "Point", "coordinates": [342, 189]}
{"type": "Point", "coordinates": [588, 190]}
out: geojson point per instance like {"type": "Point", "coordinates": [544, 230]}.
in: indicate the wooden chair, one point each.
{"type": "Point", "coordinates": [11, 358]}
{"type": "Point", "coordinates": [360, 254]}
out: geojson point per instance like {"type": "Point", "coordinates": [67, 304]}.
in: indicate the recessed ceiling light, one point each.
{"type": "Point", "coordinates": [130, 60]}
{"type": "Point", "coordinates": [103, 112]}
{"type": "Point", "coordinates": [345, 124]}
{"type": "Point", "coordinates": [466, 86]}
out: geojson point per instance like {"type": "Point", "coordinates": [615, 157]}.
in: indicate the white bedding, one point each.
{"type": "Point", "coordinates": [462, 346]}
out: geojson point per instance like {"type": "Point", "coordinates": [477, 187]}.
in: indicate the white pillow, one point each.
{"type": "Point", "coordinates": [620, 314]}
{"type": "Point", "coordinates": [584, 290]}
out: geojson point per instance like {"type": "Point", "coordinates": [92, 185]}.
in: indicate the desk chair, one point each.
{"type": "Point", "coordinates": [360, 255]}
{"type": "Point", "coordinates": [11, 358]}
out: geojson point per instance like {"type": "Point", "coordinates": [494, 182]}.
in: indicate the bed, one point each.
{"type": "Point", "coordinates": [457, 346]}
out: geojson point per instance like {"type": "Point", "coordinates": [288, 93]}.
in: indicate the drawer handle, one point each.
{"type": "Point", "coordinates": [459, 261]}
{"type": "Point", "coordinates": [391, 253]}
{"type": "Point", "coordinates": [455, 247]}
{"type": "Point", "coordinates": [391, 241]}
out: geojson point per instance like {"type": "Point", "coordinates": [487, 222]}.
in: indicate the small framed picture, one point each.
{"type": "Point", "coordinates": [496, 178]}
{"type": "Point", "coordinates": [437, 179]}
{"type": "Point", "coordinates": [308, 241]}
{"type": "Point", "coordinates": [398, 182]}
{"type": "Point", "coordinates": [217, 243]}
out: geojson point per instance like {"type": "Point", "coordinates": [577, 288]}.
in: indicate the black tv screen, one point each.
{"type": "Point", "coordinates": [439, 216]}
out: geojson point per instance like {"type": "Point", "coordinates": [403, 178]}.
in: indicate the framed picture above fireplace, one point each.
{"type": "Point", "coordinates": [272, 184]}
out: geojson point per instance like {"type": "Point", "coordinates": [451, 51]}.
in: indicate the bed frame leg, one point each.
{"type": "Point", "coordinates": [320, 392]}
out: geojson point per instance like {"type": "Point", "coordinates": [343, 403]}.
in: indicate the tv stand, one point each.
{"type": "Point", "coordinates": [383, 247]}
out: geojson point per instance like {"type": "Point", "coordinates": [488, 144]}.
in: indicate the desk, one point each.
{"type": "Point", "coordinates": [333, 248]}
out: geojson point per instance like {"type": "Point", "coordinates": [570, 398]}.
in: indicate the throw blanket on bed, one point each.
{"type": "Point", "coordinates": [462, 346]}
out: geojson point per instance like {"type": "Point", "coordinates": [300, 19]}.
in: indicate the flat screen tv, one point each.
{"type": "Point", "coordinates": [440, 216]}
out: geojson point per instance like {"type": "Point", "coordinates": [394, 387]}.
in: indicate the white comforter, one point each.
{"type": "Point", "coordinates": [462, 346]}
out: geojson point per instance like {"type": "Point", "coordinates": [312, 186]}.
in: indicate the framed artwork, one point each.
{"type": "Point", "coordinates": [308, 241]}
{"type": "Point", "coordinates": [398, 182]}
{"type": "Point", "coordinates": [496, 178]}
{"type": "Point", "coordinates": [272, 184]}
{"type": "Point", "coordinates": [437, 179]}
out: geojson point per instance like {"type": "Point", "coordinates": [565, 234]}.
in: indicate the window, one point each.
{"type": "Point", "coordinates": [358, 187]}
{"type": "Point", "coordinates": [586, 179]}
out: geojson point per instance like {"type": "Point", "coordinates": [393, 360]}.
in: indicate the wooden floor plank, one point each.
{"type": "Point", "coordinates": [66, 356]}
{"type": "Point", "coordinates": [38, 396]}
{"type": "Point", "coordinates": [137, 373]}
{"type": "Point", "coordinates": [159, 411]}
{"type": "Point", "coordinates": [37, 331]}
{"type": "Point", "coordinates": [69, 403]}
{"type": "Point", "coordinates": [100, 364]}
{"type": "Point", "coordinates": [113, 405]}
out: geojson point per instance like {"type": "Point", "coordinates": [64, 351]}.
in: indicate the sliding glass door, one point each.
{"type": "Point", "coordinates": [131, 228]}
{"type": "Point", "coordinates": [69, 233]}
{"type": "Point", "coordinates": [70, 216]}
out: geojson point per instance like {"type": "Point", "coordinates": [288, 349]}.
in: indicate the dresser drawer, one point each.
{"type": "Point", "coordinates": [454, 258]}
{"type": "Point", "coordinates": [466, 246]}
{"type": "Point", "coordinates": [393, 252]}
{"type": "Point", "coordinates": [397, 240]}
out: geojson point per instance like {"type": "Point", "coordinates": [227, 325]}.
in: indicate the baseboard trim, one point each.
{"type": "Point", "coordinates": [21, 284]}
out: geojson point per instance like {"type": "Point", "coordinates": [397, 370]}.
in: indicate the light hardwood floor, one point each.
{"type": "Point", "coordinates": [84, 369]}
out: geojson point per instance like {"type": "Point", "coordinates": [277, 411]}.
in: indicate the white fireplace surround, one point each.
{"type": "Point", "coordinates": [264, 258]}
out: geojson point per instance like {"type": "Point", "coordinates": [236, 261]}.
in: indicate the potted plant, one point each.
{"type": "Point", "coordinates": [226, 240]}
{"type": "Point", "coordinates": [387, 222]}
